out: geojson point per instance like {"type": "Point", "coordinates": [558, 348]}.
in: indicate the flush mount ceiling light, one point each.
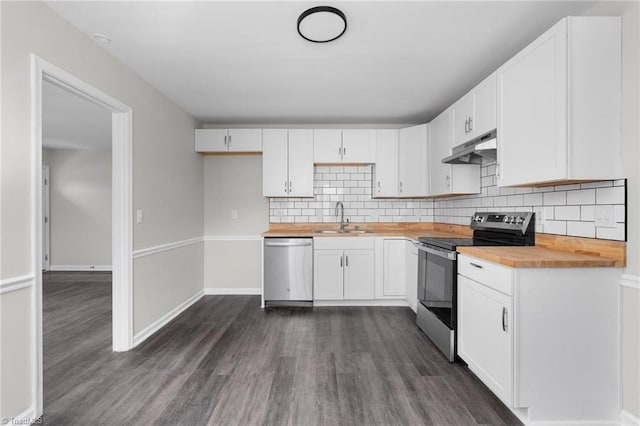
{"type": "Point", "coordinates": [101, 38]}
{"type": "Point", "coordinates": [322, 24]}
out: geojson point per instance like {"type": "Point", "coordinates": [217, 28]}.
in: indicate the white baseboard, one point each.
{"type": "Point", "coordinates": [631, 281]}
{"type": "Point", "coordinates": [628, 419]}
{"type": "Point", "coordinates": [211, 291]}
{"type": "Point", "coordinates": [80, 268]}
{"type": "Point", "coordinates": [27, 417]}
{"type": "Point", "coordinates": [165, 319]}
{"type": "Point", "coordinates": [387, 302]}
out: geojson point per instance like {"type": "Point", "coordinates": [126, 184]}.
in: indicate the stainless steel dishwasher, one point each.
{"type": "Point", "coordinates": [288, 271]}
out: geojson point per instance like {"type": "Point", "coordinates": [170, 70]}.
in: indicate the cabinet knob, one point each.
{"type": "Point", "coordinates": [379, 186]}
{"type": "Point", "coordinates": [290, 186]}
{"type": "Point", "coordinates": [505, 325]}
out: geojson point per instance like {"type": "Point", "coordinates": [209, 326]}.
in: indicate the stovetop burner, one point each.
{"type": "Point", "coordinates": [492, 229]}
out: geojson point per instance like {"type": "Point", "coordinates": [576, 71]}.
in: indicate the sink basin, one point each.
{"type": "Point", "coordinates": [338, 231]}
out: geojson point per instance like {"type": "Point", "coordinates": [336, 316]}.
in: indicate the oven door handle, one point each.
{"type": "Point", "coordinates": [451, 255]}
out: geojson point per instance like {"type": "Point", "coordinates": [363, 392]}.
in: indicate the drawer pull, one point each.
{"type": "Point", "coordinates": [475, 265]}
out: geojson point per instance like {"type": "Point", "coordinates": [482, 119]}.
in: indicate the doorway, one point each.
{"type": "Point", "coordinates": [121, 207]}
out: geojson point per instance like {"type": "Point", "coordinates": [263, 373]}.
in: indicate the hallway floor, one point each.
{"type": "Point", "coordinates": [226, 361]}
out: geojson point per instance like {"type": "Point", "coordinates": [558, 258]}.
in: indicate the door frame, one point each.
{"type": "Point", "coordinates": [121, 208]}
{"type": "Point", "coordinates": [46, 224]}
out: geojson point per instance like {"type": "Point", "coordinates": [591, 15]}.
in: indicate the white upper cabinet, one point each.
{"type": "Point", "coordinates": [475, 113]}
{"type": "Point", "coordinates": [275, 169]}
{"type": "Point", "coordinates": [300, 163]}
{"type": "Point", "coordinates": [358, 145]}
{"type": "Point", "coordinates": [344, 146]}
{"type": "Point", "coordinates": [385, 169]}
{"type": "Point", "coordinates": [327, 145]}
{"type": "Point", "coordinates": [412, 164]}
{"type": "Point", "coordinates": [287, 163]}
{"type": "Point", "coordinates": [228, 140]}
{"type": "Point", "coordinates": [559, 105]}
{"type": "Point", "coordinates": [445, 179]}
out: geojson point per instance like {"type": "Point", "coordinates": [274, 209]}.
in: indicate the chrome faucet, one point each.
{"type": "Point", "coordinates": [342, 221]}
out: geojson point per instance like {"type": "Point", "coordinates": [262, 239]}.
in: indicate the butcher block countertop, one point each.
{"type": "Point", "coordinates": [404, 230]}
{"type": "Point", "coordinates": [537, 257]}
{"type": "Point", "coordinates": [550, 251]}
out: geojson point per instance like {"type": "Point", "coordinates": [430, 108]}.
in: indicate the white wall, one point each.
{"type": "Point", "coordinates": [80, 202]}
{"type": "Point", "coordinates": [630, 133]}
{"type": "Point", "coordinates": [232, 246]}
{"type": "Point", "coordinates": [167, 183]}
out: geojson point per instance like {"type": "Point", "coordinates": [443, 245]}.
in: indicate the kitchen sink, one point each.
{"type": "Point", "coordinates": [345, 231]}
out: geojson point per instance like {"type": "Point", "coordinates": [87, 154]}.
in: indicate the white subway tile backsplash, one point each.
{"type": "Point", "coordinates": [581, 229]}
{"type": "Point", "coordinates": [567, 213]}
{"type": "Point", "coordinates": [563, 209]}
{"type": "Point", "coordinates": [554, 198]}
{"type": "Point", "coordinates": [581, 197]}
{"type": "Point", "coordinates": [613, 195]}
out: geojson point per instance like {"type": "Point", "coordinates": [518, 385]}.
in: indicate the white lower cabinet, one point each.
{"type": "Point", "coordinates": [544, 340]}
{"type": "Point", "coordinates": [394, 261]}
{"type": "Point", "coordinates": [344, 268]}
{"type": "Point", "coordinates": [484, 335]}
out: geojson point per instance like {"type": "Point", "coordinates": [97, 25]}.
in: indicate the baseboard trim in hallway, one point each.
{"type": "Point", "coordinates": [247, 291]}
{"type": "Point", "coordinates": [165, 319]}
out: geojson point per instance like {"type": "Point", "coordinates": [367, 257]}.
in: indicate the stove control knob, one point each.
{"type": "Point", "coordinates": [506, 219]}
{"type": "Point", "coordinates": [519, 220]}
{"type": "Point", "coordinates": [512, 219]}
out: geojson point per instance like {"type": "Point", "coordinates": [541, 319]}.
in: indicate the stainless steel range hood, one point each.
{"type": "Point", "coordinates": [475, 150]}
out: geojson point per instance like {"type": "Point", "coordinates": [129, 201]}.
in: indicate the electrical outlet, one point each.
{"type": "Point", "coordinates": [234, 214]}
{"type": "Point", "coordinates": [605, 216]}
{"type": "Point", "coordinates": [139, 216]}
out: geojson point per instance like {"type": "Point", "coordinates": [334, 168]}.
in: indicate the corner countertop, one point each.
{"type": "Point", "coordinates": [538, 257]}
{"type": "Point", "coordinates": [402, 230]}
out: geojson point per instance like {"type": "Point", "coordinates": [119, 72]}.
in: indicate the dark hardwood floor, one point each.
{"type": "Point", "coordinates": [226, 361]}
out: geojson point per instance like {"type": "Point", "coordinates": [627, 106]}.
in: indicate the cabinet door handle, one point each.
{"type": "Point", "coordinates": [340, 152]}
{"type": "Point", "coordinates": [505, 326]}
{"type": "Point", "coordinates": [286, 188]}
{"type": "Point", "coordinates": [290, 187]}
{"type": "Point", "coordinates": [400, 186]}
{"type": "Point", "coordinates": [497, 170]}
{"type": "Point", "coordinates": [341, 261]}
{"type": "Point", "coordinates": [225, 140]}
{"type": "Point", "coordinates": [344, 152]}
{"type": "Point", "coordinates": [346, 260]}
{"type": "Point", "coordinates": [448, 181]}
{"type": "Point", "coordinates": [378, 186]}
{"type": "Point", "coordinates": [229, 143]}
{"type": "Point", "coordinates": [470, 124]}
{"type": "Point", "coordinates": [475, 265]}
{"type": "Point", "coordinates": [466, 126]}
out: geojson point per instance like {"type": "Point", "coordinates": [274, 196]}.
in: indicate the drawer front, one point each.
{"type": "Point", "coordinates": [494, 276]}
{"type": "Point", "coordinates": [343, 243]}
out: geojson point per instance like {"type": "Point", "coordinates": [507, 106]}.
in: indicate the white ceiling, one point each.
{"type": "Point", "coordinates": [72, 122]}
{"type": "Point", "coordinates": [244, 63]}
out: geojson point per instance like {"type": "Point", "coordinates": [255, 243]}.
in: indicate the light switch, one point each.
{"type": "Point", "coordinates": [139, 216]}
{"type": "Point", "coordinates": [234, 214]}
{"type": "Point", "coordinates": [605, 216]}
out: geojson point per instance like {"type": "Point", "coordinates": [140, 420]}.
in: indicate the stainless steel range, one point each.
{"type": "Point", "coordinates": [438, 270]}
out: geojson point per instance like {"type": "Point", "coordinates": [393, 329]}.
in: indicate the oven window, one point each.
{"type": "Point", "coordinates": [439, 287]}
